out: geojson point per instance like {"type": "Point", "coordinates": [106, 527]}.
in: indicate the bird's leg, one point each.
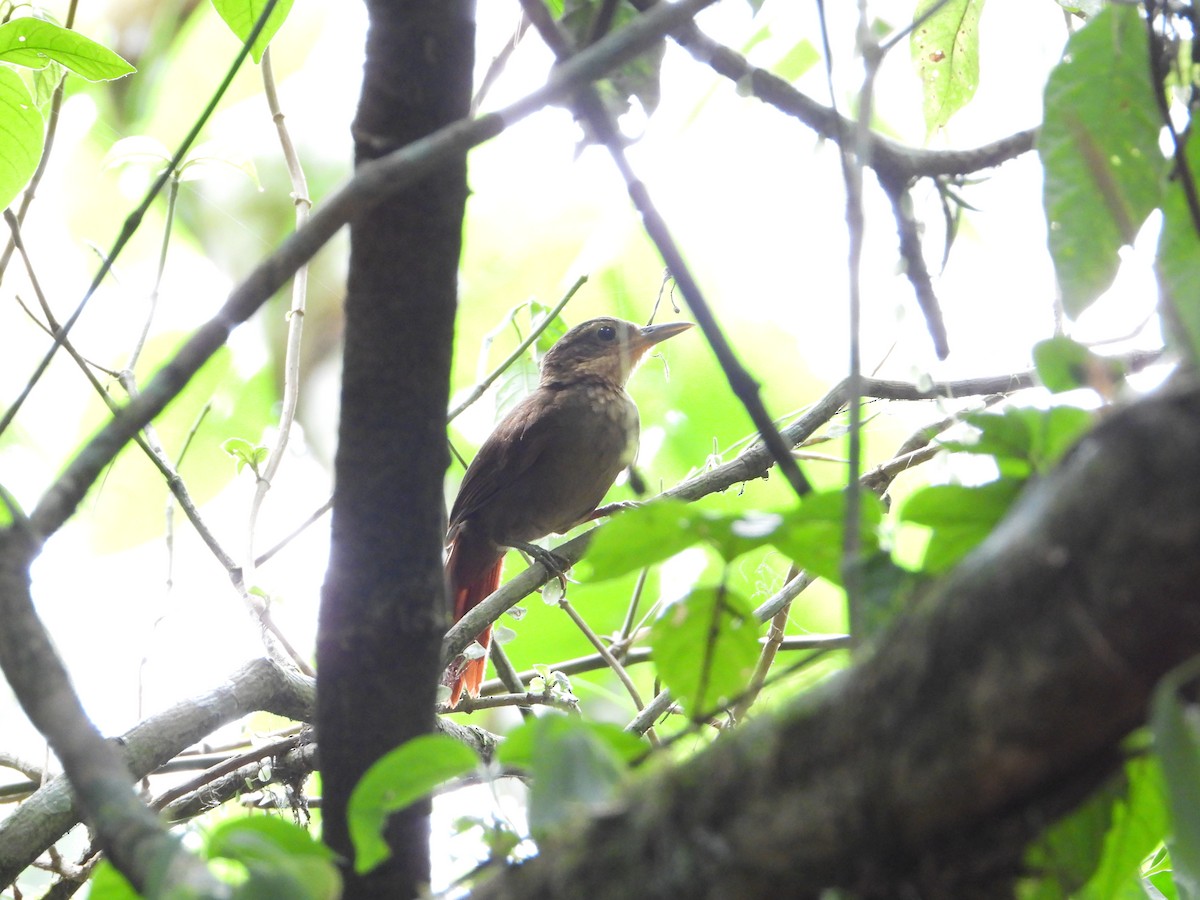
{"type": "Point", "coordinates": [553, 563]}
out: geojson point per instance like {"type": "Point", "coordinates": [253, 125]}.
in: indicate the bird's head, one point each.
{"type": "Point", "coordinates": [604, 348]}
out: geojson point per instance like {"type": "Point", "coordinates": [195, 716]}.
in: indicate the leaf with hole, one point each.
{"type": "Point", "coordinates": [945, 53]}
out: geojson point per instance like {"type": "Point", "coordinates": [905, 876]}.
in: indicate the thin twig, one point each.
{"type": "Point", "coordinates": [481, 388]}
{"type": "Point", "coordinates": [134, 220]}
{"type": "Point", "coordinates": [372, 182]}
{"type": "Point", "coordinates": [521, 700]}
{"type": "Point", "coordinates": [295, 320]}
{"type": "Point", "coordinates": [47, 146]}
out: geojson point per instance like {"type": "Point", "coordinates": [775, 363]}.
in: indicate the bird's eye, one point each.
{"type": "Point", "coordinates": [606, 332]}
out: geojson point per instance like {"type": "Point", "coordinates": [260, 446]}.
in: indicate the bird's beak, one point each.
{"type": "Point", "coordinates": [656, 334]}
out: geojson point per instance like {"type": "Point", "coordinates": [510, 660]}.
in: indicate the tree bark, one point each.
{"type": "Point", "coordinates": [993, 706]}
{"type": "Point", "coordinates": [383, 609]}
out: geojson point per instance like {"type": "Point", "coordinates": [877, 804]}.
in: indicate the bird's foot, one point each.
{"type": "Point", "coordinates": [620, 506]}
{"type": "Point", "coordinates": [553, 563]}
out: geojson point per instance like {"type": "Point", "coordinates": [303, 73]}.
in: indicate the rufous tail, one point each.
{"type": "Point", "coordinates": [472, 573]}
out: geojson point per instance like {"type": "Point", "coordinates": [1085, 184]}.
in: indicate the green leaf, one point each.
{"type": "Point", "coordinates": [8, 506]}
{"type": "Point", "coordinates": [1139, 823]}
{"type": "Point", "coordinates": [1064, 365]}
{"type": "Point", "coordinates": [811, 535]}
{"type": "Point", "coordinates": [283, 859]}
{"type": "Point", "coordinates": [551, 333]}
{"type": "Point", "coordinates": [1069, 851]}
{"type": "Point", "coordinates": [241, 15]}
{"type": "Point", "coordinates": [705, 648]}
{"type": "Point", "coordinates": [797, 61]}
{"type": "Point", "coordinates": [1055, 431]}
{"type": "Point", "coordinates": [1178, 748]}
{"type": "Point", "coordinates": [960, 517]}
{"type": "Point", "coordinates": [1099, 149]}
{"type": "Point", "coordinates": [576, 766]}
{"type": "Point", "coordinates": [638, 538]}
{"type": "Point", "coordinates": [246, 453]}
{"type": "Point", "coordinates": [1026, 439]}
{"type": "Point", "coordinates": [887, 591]}
{"type": "Point", "coordinates": [107, 883]}
{"type": "Point", "coordinates": [945, 52]}
{"type": "Point", "coordinates": [1178, 265]}
{"type": "Point", "coordinates": [400, 778]}
{"type": "Point", "coordinates": [35, 43]}
{"type": "Point", "coordinates": [1005, 436]}
{"type": "Point", "coordinates": [23, 130]}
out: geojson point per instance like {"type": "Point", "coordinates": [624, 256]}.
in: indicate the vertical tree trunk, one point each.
{"type": "Point", "coordinates": [383, 611]}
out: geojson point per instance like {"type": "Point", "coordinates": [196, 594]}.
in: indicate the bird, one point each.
{"type": "Point", "coordinates": [547, 465]}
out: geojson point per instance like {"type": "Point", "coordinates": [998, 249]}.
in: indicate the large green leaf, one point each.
{"type": "Point", "coordinates": [23, 130]}
{"type": "Point", "coordinates": [1025, 440]}
{"type": "Point", "coordinates": [35, 43]}
{"type": "Point", "coordinates": [411, 771]}
{"type": "Point", "coordinates": [812, 534]}
{"type": "Point", "coordinates": [945, 53]}
{"type": "Point", "coordinates": [1096, 852]}
{"type": "Point", "coordinates": [282, 859]}
{"type": "Point", "coordinates": [1099, 149]}
{"type": "Point", "coordinates": [638, 538]}
{"type": "Point", "coordinates": [705, 648]}
{"type": "Point", "coordinates": [576, 766]}
{"type": "Point", "coordinates": [960, 517]}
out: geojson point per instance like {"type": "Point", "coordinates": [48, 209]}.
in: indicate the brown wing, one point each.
{"type": "Point", "coordinates": [509, 452]}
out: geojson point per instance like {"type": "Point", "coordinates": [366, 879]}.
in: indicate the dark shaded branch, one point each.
{"type": "Point", "coordinates": [383, 606]}
{"type": "Point", "coordinates": [990, 708]}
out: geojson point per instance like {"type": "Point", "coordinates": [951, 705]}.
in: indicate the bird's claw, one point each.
{"type": "Point", "coordinates": [556, 565]}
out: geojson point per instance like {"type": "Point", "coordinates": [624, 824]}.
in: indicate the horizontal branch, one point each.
{"type": "Point", "coordinates": [990, 708]}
